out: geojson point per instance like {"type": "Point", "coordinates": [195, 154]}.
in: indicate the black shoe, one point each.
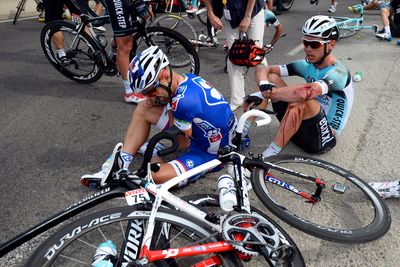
{"type": "Point", "coordinates": [64, 61]}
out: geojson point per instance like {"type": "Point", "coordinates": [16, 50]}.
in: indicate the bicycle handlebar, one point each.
{"type": "Point", "coordinates": [148, 154]}
{"type": "Point", "coordinates": [265, 119]}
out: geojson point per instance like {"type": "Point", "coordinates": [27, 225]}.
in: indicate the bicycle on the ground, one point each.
{"type": "Point", "coordinates": [161, 229]}
{"type": "Point", "coordinates": [88, 59]}
{"type": "Point", "coordinates": [21, 7]}
{"type": "Point", "coordinates": [348, 26]}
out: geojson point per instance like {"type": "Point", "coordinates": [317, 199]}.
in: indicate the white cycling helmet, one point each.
{"type": "Point", "coordinates": [321, 26]}
{"type": "Point", "coordinates": [145, 68]}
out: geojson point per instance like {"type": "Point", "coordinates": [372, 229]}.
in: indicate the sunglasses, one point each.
{"type": "Point", "coordinates": [151, 90]}
{"type": "Point", "coordinates": [314, 44]}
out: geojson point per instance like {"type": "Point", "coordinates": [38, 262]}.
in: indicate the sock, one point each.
{"type": "Point", "coordinates": [272, 150]}
{"type": "Point", "coordinates": [127, 86]}
{"type": "Point", "coordinates": [126, 159]}
{"type": "Point", "coordinates": [61, 52]}
{"type": "Point", "coordinates": [387, 29]}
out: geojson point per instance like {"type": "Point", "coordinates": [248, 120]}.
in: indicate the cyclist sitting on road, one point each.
{"type": "Point", "coordinates": [313, 114]}
{"type": "Point", "coordinates": [386, 11]}
{"type": "Point", "coordinates": [187, 102]}
{"type": "Point", "coordinates": [120, 18]}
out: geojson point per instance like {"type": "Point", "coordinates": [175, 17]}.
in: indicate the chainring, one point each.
{"type": "Point", "coordinates": [246, 232]}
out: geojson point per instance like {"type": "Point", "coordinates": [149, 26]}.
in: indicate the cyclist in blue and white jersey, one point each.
{"type": "Point", "coordinates": [313, 114]}
{"type": "Point", "coordinates": [187, 102]}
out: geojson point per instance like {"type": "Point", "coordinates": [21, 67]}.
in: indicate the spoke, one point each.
{"type": "Point", "coordinates": [75, 260]}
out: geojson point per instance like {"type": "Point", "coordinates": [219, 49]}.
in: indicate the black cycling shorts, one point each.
{"type": "Point", "coordinates": [54, 10]}
{"type": "Point", "coordinates": [120, 17]}
{"type": "Point", "coordinates": [314, 135]}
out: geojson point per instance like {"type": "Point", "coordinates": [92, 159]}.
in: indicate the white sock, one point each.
{"type": "Point", "coordinates": [387, 29]}
{"type": "Point", "coordinates": [127, 86]}
{"type": "Point", "coordinates": [126, 159]}
{"type": "Point", "coordinates": [272, 150]}
{"type": "Point", "coordinates": [61, 52]}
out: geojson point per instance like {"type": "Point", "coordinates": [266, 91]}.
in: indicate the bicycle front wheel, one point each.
{"type": "Point", "coordinates": [20, 7]}
{"type": "Point", "coordinates": [75, 244]}
{"type": "Point", "coordinates": [349, 211]}
{"type": "Point", "coordinates": [179, 24]}
{"type": "Point", "coordinates": [82, 62]}
{"type": "Point", "coordinates": [181, 54]}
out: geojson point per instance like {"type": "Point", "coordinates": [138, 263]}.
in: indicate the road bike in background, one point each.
{"type": "Point", "coordinates": [21, 7]}
{"type": "Point", "coordinates": [87, 53]}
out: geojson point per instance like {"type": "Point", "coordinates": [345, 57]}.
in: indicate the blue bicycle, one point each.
{"type": "Point", "coordinates": [348, 26]}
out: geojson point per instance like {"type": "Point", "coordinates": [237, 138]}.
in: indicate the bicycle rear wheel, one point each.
{"type": "Point", "coordinates": [179, 24]}
{"type": "Point", "coordinates": [345, 30]}
{"type": "Point", "coordinates": [287, 4]}
{"type": "Point", "coordinates": [75, 244]}
{"type": "Point", "coordinates": [210, 203]}
{"type": "Point", "coordinates": [20, 7]}
{"type": "Point", "coordinates": [181, 54]}
{"type": "Point", "coordinates": [355, 215]}
{"type": "Point", "coordinates": [82, 56]}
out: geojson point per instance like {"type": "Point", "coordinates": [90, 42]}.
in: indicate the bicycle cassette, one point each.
{"type": "Point", "coordinates": [246, 232]}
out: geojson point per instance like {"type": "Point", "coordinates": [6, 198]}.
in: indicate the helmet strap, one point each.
{"type": "Point", "coordinates": [162, 100]}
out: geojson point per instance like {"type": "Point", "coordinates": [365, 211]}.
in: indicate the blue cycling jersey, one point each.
{"type": "Point", "coordinates": [198, 105]}
{"type": "Point", "coordinates": [338, 101]}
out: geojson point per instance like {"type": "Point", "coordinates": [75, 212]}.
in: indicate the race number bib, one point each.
{"type": "Point", "coordinates": [136, 196]}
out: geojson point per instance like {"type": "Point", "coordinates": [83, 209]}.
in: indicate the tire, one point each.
{"type": "Point", "coordinates": [287, 4]}
{"type": "Point", "coordinates": [344, 29]}
{"type": "Point", "coordinates": [77, 242]}
{"type": "Point", "coordinates": [179, 24]}
{"type": "Point", "coordinates": [344, 33]}
{"type": "Point", "coordinates": [181, 54]}
{"type": "Point", "coordinates": [84, 64]}
{"type": "Point", "coordinates": [20, 7]}
{"type": "Point", "coordinates": [202, 17]}
{"type": "Point", "coordinates": [355, 216]}
{"type": "Point", "coordinates": [210, 203]}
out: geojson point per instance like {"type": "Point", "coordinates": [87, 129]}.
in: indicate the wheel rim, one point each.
{"type": "Point", "coordinates": [348, 211]}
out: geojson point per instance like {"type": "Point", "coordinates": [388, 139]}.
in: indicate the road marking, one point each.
{"type": "Point", "coordinates": [10, 20]}
{"type": "Point", "coordinates": [295, 50]}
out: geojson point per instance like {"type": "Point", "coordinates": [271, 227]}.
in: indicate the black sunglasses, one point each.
{"type": "Point", "coordinates": [314, 44]}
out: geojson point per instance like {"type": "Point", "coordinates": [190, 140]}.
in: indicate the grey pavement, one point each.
{"type": "Point", "coordinates": [53, 130]}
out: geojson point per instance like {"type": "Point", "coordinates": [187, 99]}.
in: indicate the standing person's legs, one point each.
{"type": "Point", "coordinates": [236, 73]}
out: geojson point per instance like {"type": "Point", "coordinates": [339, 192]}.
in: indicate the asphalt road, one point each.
{"type": "Point", "coordinates": [53, 130]}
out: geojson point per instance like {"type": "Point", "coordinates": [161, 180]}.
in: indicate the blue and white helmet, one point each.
{"type": "Point", "coordinates": [145, 67]}
{"type": "Point", "coordinates": [321, 26]}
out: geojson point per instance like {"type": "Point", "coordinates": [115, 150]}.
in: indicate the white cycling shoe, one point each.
{"type": "Point", "coordinates": [101, 179]}
{"type": "Point", "coordinates": [387, 189]}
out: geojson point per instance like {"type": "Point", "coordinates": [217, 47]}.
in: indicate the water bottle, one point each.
{"type": "Point", "coordinates": [105, 255]}
{"type": "Point", "coordinates": [358, 76]}
{"type": "Point", "coordinates": [227, 192]}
